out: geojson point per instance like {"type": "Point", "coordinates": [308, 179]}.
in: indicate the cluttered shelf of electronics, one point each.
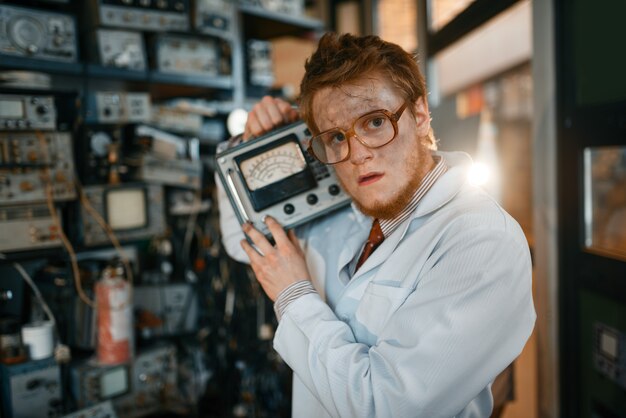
{"type": "Point", "coordinates": [116, 298]}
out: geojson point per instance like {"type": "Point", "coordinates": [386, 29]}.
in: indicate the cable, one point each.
{"type": "Point", "coordinates": [57, 221]}
{"type": "Point", "coordinates": [106, 228]}
{"type": "Point", "coordinates": [111, 235]}
{"type": "Point", "coordinates": [37, 293]}
{"type": "Point", "coordinates": [193, 217]}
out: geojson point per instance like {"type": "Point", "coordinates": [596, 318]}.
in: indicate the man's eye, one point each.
{"type": "Point", "coordinates": [376, 123]}
{"type": "Point", "coordinates": [338, 138]}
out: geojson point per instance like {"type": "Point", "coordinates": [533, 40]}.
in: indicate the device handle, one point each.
{"type": "Point", "coordinates": [233, 192]}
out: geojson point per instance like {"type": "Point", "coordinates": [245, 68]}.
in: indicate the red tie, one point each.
{"type": "Point", "coordinates": [373, 241]}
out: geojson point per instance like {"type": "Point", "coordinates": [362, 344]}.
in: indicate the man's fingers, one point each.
{"type": "Point", "coordinates": [277, 231]}
{"type": "Point", "coordinates": [253, 254]}
{"type": "Point", "coordinates": [288, 113]}
{"type": "Point", "coordinates": [268, 114]}
{"type": "Point", "coordinates": [257, 238]}
{"type": "Point", "coordinates": [294, 239]}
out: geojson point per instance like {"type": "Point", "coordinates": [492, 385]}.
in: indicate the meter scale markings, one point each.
{"type": "Point", "coordinates": [272, 166]}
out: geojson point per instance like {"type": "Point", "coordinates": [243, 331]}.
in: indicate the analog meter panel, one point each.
{"type": "Point", "coordinates": [272, 166]}
{"type": "Point", "coordinates": [275, 172]}
{"type": "Point", "coordinates": [273, 175]}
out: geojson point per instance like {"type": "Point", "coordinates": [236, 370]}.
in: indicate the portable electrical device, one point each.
{"type": "Point", "coordinates": [274, 175]}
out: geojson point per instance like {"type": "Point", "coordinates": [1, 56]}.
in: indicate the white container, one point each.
{"type": "Point", "coordinates": [39, 337]}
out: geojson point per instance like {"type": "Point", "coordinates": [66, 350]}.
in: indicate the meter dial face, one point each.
{"type": "Point", "coordinates": [273, 165]}
{"type": "Point", "coordinates": [100, 143]}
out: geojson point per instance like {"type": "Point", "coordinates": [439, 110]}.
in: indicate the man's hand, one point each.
{"type": "Point", "coordinates": [280, 265]}
{"type": "Point", "coordinates": [268, 114]}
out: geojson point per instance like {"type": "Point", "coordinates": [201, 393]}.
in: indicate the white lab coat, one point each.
{"type": "Point", "coordinates": [425, 325]}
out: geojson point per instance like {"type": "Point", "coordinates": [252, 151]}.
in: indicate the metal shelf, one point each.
{"type": "Point", "coordinates": [23, 63]}
{"type": "Point", "coordinates": [259, 23]}
{"type": "Point", "coordinates": [217, 82]}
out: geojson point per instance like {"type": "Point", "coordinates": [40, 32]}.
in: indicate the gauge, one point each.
{"type": "Point", "coordinates": [100, 143]}
{"type": "Point", "coordinates": [274, 165]}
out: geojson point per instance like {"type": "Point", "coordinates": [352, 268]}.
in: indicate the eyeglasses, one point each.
{"type": "Point", "coordinates": [374, 130]}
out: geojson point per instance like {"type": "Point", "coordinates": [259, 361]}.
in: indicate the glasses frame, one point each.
{"type": "Point", "coordinates": [393, 117]}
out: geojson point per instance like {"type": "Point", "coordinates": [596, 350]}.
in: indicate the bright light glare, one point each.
{"type": "Point", "coordinates": [236, 121]}
{"type": "Point", "coordinates": [479, 174]}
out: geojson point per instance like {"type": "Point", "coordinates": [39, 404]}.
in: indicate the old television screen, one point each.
{"type": "Point", "coordinates": [11, 108]}
{"type": "Point", "coordinates": [126, 208]}
{"type": "Point", "coordinates": [114, 382]}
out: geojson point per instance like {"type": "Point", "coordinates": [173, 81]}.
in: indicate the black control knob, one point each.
{"type": "Point", "coordinates": [333, 189]}
{"type": "Point", "coordinates": [42, 109]}
{"type": "Point", "coordinates": [312, 199]}
{"type": "Point", "coordinates": [289, 209]}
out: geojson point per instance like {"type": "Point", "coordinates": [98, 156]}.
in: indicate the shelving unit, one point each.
{"type": "Point", "coordinates": [235, 356]}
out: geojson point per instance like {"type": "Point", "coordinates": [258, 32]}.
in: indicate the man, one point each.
{"type": "Point", "coordinates": [420, 324]}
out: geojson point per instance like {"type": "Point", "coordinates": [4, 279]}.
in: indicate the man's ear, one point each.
{"type": "Point", "coordinates": [422, 116]}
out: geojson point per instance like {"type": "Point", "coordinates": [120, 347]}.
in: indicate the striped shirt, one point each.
{"type": "Point", "coordinates": [388, 226]}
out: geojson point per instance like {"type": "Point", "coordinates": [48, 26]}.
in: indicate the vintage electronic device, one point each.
{"type": "Point", "coordinates": [184, 55]}
{"type": "Point", "coordinates": [290, 7]}
{"type": "Point", "coordinates": [162, 144]}
{"type": "Point", "coordinates": [260, 65]}
{"type": "Point", "coordinates": [214, 17]}
{"type": "Point", "coordinates": [29, 162]}
{"type": "Point", "coordinates": [186, 202]}
{"type": "Point", "coordinates": [121, 49]}
{"type": "Point", "coordinates": [31, 389]}
{"type": "Point", "coordinates": [154, 382]}
{"type": "Point", "coordinates": [93, 383]}
{"type": "Point", "coordinates": [133, 211]}
{"type": "Point", "coordinates": [160, 157]}
{"type": "Point", "coordinates": [151, 15]}
{"type": "Point", "coordinates": [273, 175]}
{"type": "Point", "coordinates": [101, 410]}
{"type": "Point", "coordinates": [177, 172]}
{"type": "Point", "coordinates": [100, 155]}
{"type": "Point", "coordinates": [175, 306]}
{"type": "Point", "coordinates": [136, 389]}
{"type": "Point", "coordinates": [118, 107]}
{"type": "Point", "coordinates": [609, 353]}
{"type": "Point", "coordinates": [37, 34]}
{"type": "Point", "coordinates": [28, 227]}
{"type": "Point", "coordinates": [176, 120]}
{"type": "Point", "coordinates": [18, 112]}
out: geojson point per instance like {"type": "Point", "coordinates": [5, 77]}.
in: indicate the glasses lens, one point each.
{"type": "Point", "coordinates": [375, 129]}
{"type": "Point", "coordinates": [330, 147]}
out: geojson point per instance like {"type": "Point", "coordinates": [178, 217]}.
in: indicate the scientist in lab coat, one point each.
{"type": "Point", "coordinates": [409, 302]}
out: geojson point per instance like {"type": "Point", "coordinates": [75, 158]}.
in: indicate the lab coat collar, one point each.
{"type": "Point", "coordinates": [445, 188]}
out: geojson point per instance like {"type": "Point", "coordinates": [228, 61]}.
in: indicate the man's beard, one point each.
{"type": "Point", "coordinates": [389, 210]}
{"type": "Point", "coordinates": [420, 164]}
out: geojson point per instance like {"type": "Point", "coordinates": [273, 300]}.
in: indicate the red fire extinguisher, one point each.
{"type": "Point", "coordinates": [114, 316]}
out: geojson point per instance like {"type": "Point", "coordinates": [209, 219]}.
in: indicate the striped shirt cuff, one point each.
{"type": "Point", "coordinates": [291, 293]}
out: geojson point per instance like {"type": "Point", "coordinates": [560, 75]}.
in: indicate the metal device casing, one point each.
{"type": "Point", "coordinates": [214, 16]}
{"type": "Point", "coordinates": [37, 34]}
{"type": "Point", "coordinates": [31, 386]}
{"type": "Point", "coordinates": [93, 234]}
{"type": "Point", "coordinates": [326, 196]}
{"type": "Point", "coordinates": [32, 162]}
{"type": "Point", "coordinates": [155, 15]}
{"type": "Point", "coordinates": [27, 228]}
{"type": "Point", "coordinates": [121, 49]}
{"type": "Point", "coordinates": [118, 107]}
{"type": "Point", "coordinates": [38, 112]}
{"type": "Point", "coordinates": [175, 54]}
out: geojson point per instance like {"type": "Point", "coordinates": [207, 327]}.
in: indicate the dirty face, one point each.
{"type": "Point", "coordinates": [381, 181]}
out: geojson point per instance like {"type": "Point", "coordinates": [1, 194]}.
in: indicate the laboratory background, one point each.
{"type": "Point", "coordinates": [117, 298]}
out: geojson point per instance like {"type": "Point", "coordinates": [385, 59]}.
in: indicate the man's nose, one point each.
{"type": "Point", "coordinates": [359, 153]}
